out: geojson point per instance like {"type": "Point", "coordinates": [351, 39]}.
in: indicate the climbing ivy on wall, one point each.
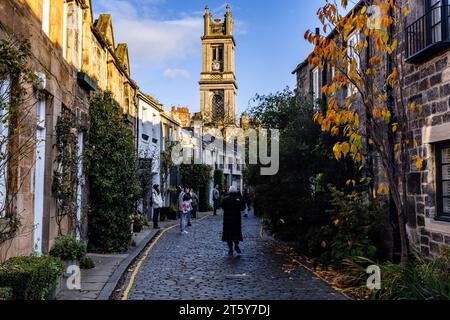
{"type": "Point", "coordinates": [65, 177]}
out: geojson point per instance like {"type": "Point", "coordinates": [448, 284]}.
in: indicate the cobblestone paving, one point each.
{"type": "Point", "coordinates": [196, 267]}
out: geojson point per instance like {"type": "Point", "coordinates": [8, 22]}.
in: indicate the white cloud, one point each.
{"type": "Point", "coordinates": [150, 40]}
{"type": "Point", "coordinates": [176, 73]}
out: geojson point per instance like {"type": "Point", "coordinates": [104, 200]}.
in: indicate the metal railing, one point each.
{"type": "Point", "coordinates": [427, 31]}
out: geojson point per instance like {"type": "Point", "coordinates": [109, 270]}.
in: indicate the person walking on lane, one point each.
{"type": "Point", "coordinates": [232, 205]}
{"type": "Point", "coordinates": [216, 197]}
{"type": "Point", "coordinates": [180, 195]}
{"type": "Point", "coordinates": [188, 198]}
{"type": "Point", "coordinates": [157, 205]}
{"type": "Point", "coordinates": [248, 202]}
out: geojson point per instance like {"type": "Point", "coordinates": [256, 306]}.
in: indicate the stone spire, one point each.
{"type": "Point", "coordinates": [228, 21]}
{"type": "Point", "coordinates": [207, 23]}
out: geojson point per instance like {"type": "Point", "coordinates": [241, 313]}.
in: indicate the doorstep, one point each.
{"type": "Point", "coordinates": [100, 282]}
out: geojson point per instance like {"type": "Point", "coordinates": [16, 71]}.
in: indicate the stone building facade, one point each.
{"type": "Point", "coordinates": [183, 114]}
{"type": "Point", "coordinates": [427, 83]}
{"type": "Point", "coordinates": [75, 56]}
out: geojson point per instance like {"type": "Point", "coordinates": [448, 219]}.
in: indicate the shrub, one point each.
{"type": "Point", "coordinates": [6, 294]}
{"type": "Point", "coordinates": [204, 205]}
{"type": "Point", "coordinates": [417, 280]}
{"type": "Point", "coordinates": [198, 177]}
{"type": "Point", "coordinates": [354, 217]}
{"type": "Point", "coordinates": [67, 248]}
{"type": "Point", "coordinates": [113, 176]}
{"type": "Point", "coordinates": [86, 263]}
{"type": "Point", "coordinates": [31, 278]}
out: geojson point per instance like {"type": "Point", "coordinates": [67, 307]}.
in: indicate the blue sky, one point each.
{"type": "Point", "coordinates": [165, 47]}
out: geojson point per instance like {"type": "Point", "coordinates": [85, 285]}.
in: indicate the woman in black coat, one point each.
{"type": "Point", "coordinates": [232, 205]}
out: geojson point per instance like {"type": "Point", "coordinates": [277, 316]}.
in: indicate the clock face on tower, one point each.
{"type": "Point", "coordinates": [218, 85]}
{"type": "Point", "coordinates": [216, 66]}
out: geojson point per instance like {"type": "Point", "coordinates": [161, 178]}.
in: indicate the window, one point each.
{"type": "Point", "coordinates": [218, 107]}
{"type": "Point", "coordinates": [46, 17]}
{"type": "Point", "coordinates": [436, 19]}
{"type": "Point", "coordinates": [443, 181]}
{"type": "Point", "coordinates": [73, 34]}
{"type": "Point", "coordinates": [315, 84]}
{"type": "Point", "coordinates": [4, 138]}
{"type": "Point", "coordinates": [429, 34]}
{"type": "Point", "coordinates": [353, 54]}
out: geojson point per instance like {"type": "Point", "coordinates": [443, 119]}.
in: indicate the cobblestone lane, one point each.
{"type": "Point", "coordinates": [196, 266]}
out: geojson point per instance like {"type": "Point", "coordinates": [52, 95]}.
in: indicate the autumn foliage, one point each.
{"type": "Point", "coordinates": [364, 99]}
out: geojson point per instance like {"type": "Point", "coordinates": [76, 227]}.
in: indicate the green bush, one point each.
{"type": "Point", "coordinates": [31, 278]}
{"type": "Point", "coordinates": [293, 202]}
{"type": "Point", "coordinates": [199, 178]}
{"type": "Point", "coordinates": [6, 294]}
{"type": "Point", "coordinates": [86, 263]}
{"type": "Point", "coordinates": [112, 172]}
{"type": "Point", "coordinates": [354, 218]}
{"type": "Point", "coordinates": [67, 248]}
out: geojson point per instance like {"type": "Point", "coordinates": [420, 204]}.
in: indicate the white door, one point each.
{"type": "Point", "coordinates": [80, 182]}
{"type": "Point", "coordinates": [39, 177]}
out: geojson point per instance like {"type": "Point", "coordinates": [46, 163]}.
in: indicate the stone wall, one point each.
{"type": "Point", "coordinates": [107, 68]}
{"type": "Point", "coordinates": [62, 89]}
{"type": "Point", "coordinates": [428, 84]}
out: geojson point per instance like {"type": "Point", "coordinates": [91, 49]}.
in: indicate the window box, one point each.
{"type": "Point", "coordinates": [429, 34]}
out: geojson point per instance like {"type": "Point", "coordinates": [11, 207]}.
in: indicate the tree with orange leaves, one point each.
{"type": "Point", "coordinates": [370, 71]}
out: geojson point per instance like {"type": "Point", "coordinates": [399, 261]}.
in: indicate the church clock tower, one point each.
{"type": "Point", "coordinates": [218, 85]}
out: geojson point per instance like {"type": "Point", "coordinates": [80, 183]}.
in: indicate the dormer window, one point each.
{"type": "Point", "coordinates": [430, 33]}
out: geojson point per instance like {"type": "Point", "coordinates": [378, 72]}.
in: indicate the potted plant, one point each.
{"type": "Point", "coordinates": [72, 252]}
{"type": "Point", "coordinates": [139, 222]}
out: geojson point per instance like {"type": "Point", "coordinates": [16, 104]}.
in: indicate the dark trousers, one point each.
{"type": "Point", "coordinates": [230, 245]}
{"type": "Point", "coordinates": [156, 217]}
{"type": "Point", "coordinates": [194, 212]}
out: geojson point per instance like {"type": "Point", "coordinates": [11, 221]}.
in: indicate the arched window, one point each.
{"type": "Point", "coordinates": [218, 107]}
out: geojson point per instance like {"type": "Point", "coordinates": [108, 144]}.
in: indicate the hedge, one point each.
{"type": "Point", "coordinates": [67, 248]}
{"type": "Point", "coordinates": [6, 294]}
{"type": "Point", "coordinates": [31, 278]}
